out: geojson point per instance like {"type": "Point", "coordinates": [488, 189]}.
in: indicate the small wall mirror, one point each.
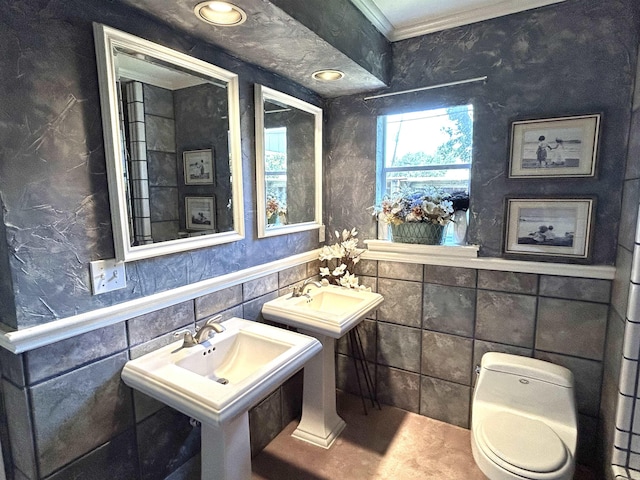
{"type": "Point", "coordinates": [288, 163]}
{"type": "Point", "coordinates": [172, 144]}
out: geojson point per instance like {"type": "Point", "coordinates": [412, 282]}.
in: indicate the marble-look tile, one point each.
{"type": "Point", "coordinates": [19, 424]}
{"type": "Point", "coordinates": [76, 412]}
{"type": "Point", "coordinates": [400, 271]}
{"type": "Point", "coordinates": [589, 289]}
{"type": "Point", "coordinates": [158, 342]}
{"type": "Point", "coordinates": [399, 388]}
{"type": "Point", "coordinates": [260, 286]}
{"type": "Point", "coordinates": [161, 133]}
{"type": "Point", "coordinates": [447, 357]}
{"type": "Point", "coordinates": [367, 332]}
{"type": "Point", "coordinates": [445, 401]}
{"type": "Point", "coordinates": [399, 346]}
{"type": "Point", "coordinates": [367, 267]}
{"type": "Point", "coordinates": [165, 204]}
{"type": "Point", "coordinates": [513, 282]}
{"type": "Point", "coordinates": [144, 406]}
{"type": "Point", "coordinates": [166, 440]}
{"type": "Point", "coordinates": [161, 168]}
{"type": "Point", "coordinates": [372, 283]}
{"type": "Point", "coordinates": [629, 217]}
{"type": "Point", "coordinates": [154, 324]}
{"type": "Point", "coordinates": [158, 101]}
{"type": "Point", "coordinates": [216, 302]}
{"type": "Point", "coordinates": [114, 460]}
{"type": "Point", "coordinates": [571, 327]}
{"type": "Point", "coordinates": [292, 398]}
{"type": "Point", "coordinates": [252, 310]}
{"type": "Point", "coordinates": [313, 268]}
{"type": "Point", "coordinates": [13, 368]}
{"type": "Point", "coordinates": [346, 379]}
{"type": "Point", "coordinates": [65, 355]}
{"type": "Point", "coordinates": [588, 442]}
{"type": "Point", "coordinates": [402, 301]}
{"type": "Point", "coordinates": [165, 231]}
{"type": "Point", "coordinates": [620, 288]}
{"type": "Point", "coordinates": [454, 276]}
{"type": "Point", "coordinates": [506, 318]}
{"type": "Point", "coordinates": [291, 275]}
{"type": "Point", "coordinates": [265, 421]}
{"type": "Point", "coordinates": [587, 376]}
{"type": "Point", "coordinates": [226, 315]}
{"type": "Point", "coordinates": [449, 309]}
{"type": "Point", "coordinates": [189, 470]}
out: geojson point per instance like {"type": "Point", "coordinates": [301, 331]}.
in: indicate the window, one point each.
{"type": "Point", "coordinates": [429, 148]}
{"type": "Point", "coordinates": [426, 148]}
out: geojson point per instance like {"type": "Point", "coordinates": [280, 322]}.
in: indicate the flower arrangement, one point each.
{"type": "Point", "coordinates": [428, 206]}
{"type": "Point", "coordinates": [275, 209]}
{"type": "Point", "coordinates": [460, 201]}
{"type": "Point", "coordinates": [340, 260]}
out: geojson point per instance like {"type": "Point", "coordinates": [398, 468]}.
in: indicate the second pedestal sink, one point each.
{"type": "Point", "coordinates": [217, 381]}
{"type": "Point", "coordinates": [327, 313]}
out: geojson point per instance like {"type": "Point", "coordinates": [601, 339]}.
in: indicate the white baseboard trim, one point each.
{"type": "Point", "coordinates": [19, 341]}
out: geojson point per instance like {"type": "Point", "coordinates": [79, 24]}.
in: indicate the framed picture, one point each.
{"type": "Point", "coordinates": [198, 167]}
{"type": "Point", "coordinates": [555, 147]}
{"type": "Point", "coordinates": [549, 227]}
{"type": "Point", "coordinates": [200, 213]}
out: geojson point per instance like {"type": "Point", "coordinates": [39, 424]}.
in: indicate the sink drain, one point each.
{"type": "Point", "coordinates": [223, 381]}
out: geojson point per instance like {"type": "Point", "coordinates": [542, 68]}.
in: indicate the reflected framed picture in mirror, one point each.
{"type": "Point", "coordinates": [198, 167]}
{"type": "Point", "coordinates": [200, 213]}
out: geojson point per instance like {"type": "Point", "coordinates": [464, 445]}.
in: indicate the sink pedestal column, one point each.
{"type": "Point", "coordinates": [320, 423]}
{"type": "Point", "coordinates": [226, 451]}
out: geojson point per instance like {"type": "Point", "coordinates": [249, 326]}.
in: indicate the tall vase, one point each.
{"type": "Point", "coordinates": [460, 227]}
{"type": "Point", "coordinates": [418, 232]}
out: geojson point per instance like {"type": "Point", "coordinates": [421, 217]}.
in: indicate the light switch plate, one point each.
{"type": "Point", "coordinates": [107, 275]}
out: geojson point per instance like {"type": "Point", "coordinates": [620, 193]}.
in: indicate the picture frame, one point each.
{"type": "Point", "coordinates": [198, 167]}
{"type": "Point", "coordinates": [555, 147]}
{"type": "Point", "coordinates": [200, 213]}
{"type": "Point", "coordinates": [551, 229]}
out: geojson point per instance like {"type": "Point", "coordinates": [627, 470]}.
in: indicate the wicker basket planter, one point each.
{"type": "Point", "coordinates": [418, 232]}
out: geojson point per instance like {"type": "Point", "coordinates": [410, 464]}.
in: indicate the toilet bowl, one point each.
{"type": "Point", "coordinates": [524, 419]}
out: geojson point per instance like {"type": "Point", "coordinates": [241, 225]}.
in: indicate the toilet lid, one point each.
{"type": "Point", "coordinates": [523, 442]}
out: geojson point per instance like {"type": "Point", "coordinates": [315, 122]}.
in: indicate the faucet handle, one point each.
{"type": "Point", "coordinates": [188, 340]}
{"type": "Point", "coordinates": [214, 319]}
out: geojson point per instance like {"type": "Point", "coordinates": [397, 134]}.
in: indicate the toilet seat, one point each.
{"type": "Point", "coordinates": [523, 446]}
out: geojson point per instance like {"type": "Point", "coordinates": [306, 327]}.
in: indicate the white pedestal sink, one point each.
{"type": "Point", "coordinates": [326, 313]}
{"type": "Point", "coordinates": [216, 383]}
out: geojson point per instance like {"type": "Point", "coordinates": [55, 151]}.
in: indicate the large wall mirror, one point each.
{"type": "Point", "coordinates": [288, 163]}
{"type": "Point", "coordinates": [172, 144]}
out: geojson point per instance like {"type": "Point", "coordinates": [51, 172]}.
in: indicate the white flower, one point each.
{"type": "Point", "coordinates": [349, 280]}
{"type": "Point", "coordinates": [339, 270]}
{"type": "Point", "coordinates": [324, 271]}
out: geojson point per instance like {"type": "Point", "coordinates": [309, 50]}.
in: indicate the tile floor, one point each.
{"type": "Point", "coordinates": [385, 444]}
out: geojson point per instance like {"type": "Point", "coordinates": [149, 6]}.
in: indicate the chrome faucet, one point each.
{"type": "Point", "coordinates": [202, 334]}
{"type": "Point", "coordinates": [299, 291]}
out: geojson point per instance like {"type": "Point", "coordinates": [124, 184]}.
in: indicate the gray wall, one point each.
{"type": "Point", "coordinates": [52, 173]}
{"type": "Point", "coordinates": [549, 62]}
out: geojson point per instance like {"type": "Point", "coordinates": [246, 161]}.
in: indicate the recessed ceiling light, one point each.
{"type": "Point", "coordinates": [219, 13]}
{"type": "Point", "coordinates": [328, 75]}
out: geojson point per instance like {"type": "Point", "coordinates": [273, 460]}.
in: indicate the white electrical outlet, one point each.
{"type": "Point", "coordinates": [107, 275]}
{"type": "Point", "coordinates": [321, 233]}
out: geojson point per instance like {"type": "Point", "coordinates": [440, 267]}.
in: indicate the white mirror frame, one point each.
{"type": "Point", "coordinates": [106, 39]}
{"type": "Point", "coordinates": [263, 93]}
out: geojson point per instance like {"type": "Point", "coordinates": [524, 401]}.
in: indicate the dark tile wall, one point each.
{"type": "Point", "coordinates": [436, 323]}
{"type": "Point", "coordinates": [537, 68]}
{"type": "Point", "coordinates": [75, 418]}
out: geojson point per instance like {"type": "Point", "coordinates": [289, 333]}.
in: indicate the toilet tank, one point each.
{"type": "Point", "coordinates": [536, 387]}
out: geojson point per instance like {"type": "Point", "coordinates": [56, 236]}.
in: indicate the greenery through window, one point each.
{"type": "Point", "coordinates": [426, 148]}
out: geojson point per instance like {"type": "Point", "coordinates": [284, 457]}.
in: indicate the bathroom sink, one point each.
{"type": "Point", "coordinates": [329, 310]}
{"type": "Point", "coordinates": [224, 376]}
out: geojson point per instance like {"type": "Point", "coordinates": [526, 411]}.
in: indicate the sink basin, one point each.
{"type": "Point", "coordinates": [329, 310]}
{"type": "Point", "coordinates": [223, 377]}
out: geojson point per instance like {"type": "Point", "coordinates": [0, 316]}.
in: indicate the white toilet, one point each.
{"type": "Point", "coordinates": [524, 419]}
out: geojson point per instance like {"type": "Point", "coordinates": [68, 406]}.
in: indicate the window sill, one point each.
{"type": "Point", "coordinates": [457, 251]}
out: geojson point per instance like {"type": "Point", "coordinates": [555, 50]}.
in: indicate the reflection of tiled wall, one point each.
{"type": "Point", "coordinates": [70, 415]}
{"type": "Point", "coordinates": [437, 322]}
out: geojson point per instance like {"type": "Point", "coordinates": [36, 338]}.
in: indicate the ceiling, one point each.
{"type": "Point", "coordinates": [294, 38]}
{"type": "Point", "coordinates": [402, 19]}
